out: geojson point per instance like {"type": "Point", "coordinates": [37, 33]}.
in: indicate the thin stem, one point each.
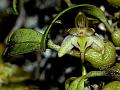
{"type": "Point", "coordinates": [82, 57]}
{"type": "Point", "coordinates": [15, 7]}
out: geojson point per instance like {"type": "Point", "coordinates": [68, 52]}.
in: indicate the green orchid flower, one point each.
{"type": "Point", "coordinates": [80, 37]}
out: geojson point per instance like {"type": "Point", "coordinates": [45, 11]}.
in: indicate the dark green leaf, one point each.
{"type": "Point", "coordinates": [24, 41]}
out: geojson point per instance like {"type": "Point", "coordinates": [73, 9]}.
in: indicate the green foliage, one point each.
{"type": "Point", "coordinates": [100, 53]}
{"type": "Point", "coordinates": [24, 41]}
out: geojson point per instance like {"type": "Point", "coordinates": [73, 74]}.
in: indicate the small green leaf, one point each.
{"type": "Point", "coordinates": [86, 8]}
{"type": "Point", "coordinates": [24, 41]}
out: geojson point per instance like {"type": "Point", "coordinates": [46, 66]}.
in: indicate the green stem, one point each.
{"type": "Point", "coordinates": [82, 57]}
{"type": "Point", "coordinates": [84, 72]}
{"type": "Point", "coordinates": [15, 7]}
{"type": "Point", "coordinates": [95, 74]}
{"type": "Point", "coordinates": [80, 85]}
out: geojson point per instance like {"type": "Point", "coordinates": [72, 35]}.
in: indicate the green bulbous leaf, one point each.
{"type": "Point", "coordinates": [24, 41]}
{"type": "Point", "coordinates": [114, 85]}
{"type": "Point", "coordinates": [101, 59]}
{"type": "Point", "coordinates": [116, 37]}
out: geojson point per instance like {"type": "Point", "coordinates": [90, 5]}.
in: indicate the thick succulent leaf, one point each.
{"type": "Point", "coordinates": [99, 59]}
{"type": "Point", "coordinates": [24, 41]}
{"type": "Point", "coordinates": [86, 8]}
{"type": "Point", "coordinates": [66, 45]}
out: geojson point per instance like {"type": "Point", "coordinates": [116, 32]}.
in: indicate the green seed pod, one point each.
{"type": "Point", "coordinates": [115, 85]}
{"type": "Point", "coordinates": [101, 59]}
{"type": "Point", "coordinates": [114, 3]}
{"type": "Point", "coordinates": [116, 37]}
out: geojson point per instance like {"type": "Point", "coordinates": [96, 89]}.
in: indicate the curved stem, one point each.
{"type": "Point", "coordinates": [95, 74]}
{"type": "Point", "coordinates": [15, 7]}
